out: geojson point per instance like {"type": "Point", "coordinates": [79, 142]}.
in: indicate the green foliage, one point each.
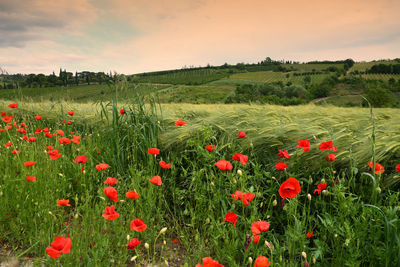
{"type": "Point", "coordinates": [379, 97]}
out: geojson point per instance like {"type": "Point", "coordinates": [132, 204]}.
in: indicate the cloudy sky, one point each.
{"type": "Point", "coordinates": [131, 36]}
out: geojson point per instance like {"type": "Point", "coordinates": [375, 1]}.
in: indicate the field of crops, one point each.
{"type": "Point", "coordinates": [363, 66]}
{"type": "Point", "coordinates": [311, 67]}
{"type": "Point", "coordinates": [381, 76]}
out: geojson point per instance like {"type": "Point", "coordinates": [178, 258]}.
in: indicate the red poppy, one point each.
{"type": "Point", "coordinates": [231, 217]}
{"type": "Point", "coordinates": [153, 151]}
{"type": "Point", "coordinates": [29, 163]}
{"type": "Point", "coordinates": [8, 144]}
{"type": "Point", "coordinates": [122, 111]}
{"type": "Point", "coordinates": [76, 139]}
{"type": "Point", "coordinates": [69, 122]}
{"type": "Point", "coordinates": [258, 227]}
{"type": "Point", "coordinates": [165, 165]}
{"type": "Point", "coordinates": [4, 114]}
{"type": "Point", "coordinates": [102, 166]}
{"type": "Point", "coordinates": [54, 154]}
{"type": "Point", "coordinates": [256, 238]}
{"type": "Point", "coordinates": [283, 154]}
{"type": "Point", "coordinates": [209, 262]}
{"type": "Point", "coordinates": [31, 178]}
{"type": "Point", "coordinates": [330, 157]}
{"type": "Point", "coordinates": [180, 123]}
{"type": "Point", "coordinates": [59, 132]}
{"type": "Point", "coordinates": [245, 198]}
{"type": "Point", "coordinates": [58, 246]}
{"type": "Point", "coordinates": [320, 188]}
{"type": "Point", "coordinates": [378, 167]}
{"type": "Point", "coordinates": [327, 145]}
{"type": "Point", "coordinates": [239, 157]}
{"type": "Point", "coordinates": [13, 105]}
{"type": "Point", "coordinates": [132, 195]}
{"type": "Point", "coordinates": [210, 147]}
{"type": "Point", "coordinates": [38, 118]}
{"type": "Point", "coordinates": [241, 134]}
{"type": "Point", "coordinates": [48, 135]}
{"type": "Point", "coordinates": [63, 202]}
{"type": "Point", "coordinates": [22, 130]}
{"type": "Point", "coordinates": [175, 240]}
{"type": "Point", "coordinates": [25, 137]}
{"type": "Point", "coordinates": [45, 130]}
{"type": "Point", "coordinates": [262, 261]}
{"type": "Point", "coordinates": [64, 140]}
{"type": "Point", "coordinates": [281, 166]}
{"type": "Point", "coordinates": [111, 193]}
{"type": "Point", "coordinates": [110, 213]}
{"type": "Point", "coordinates": [309, 235]}
{"type": "Point", "coordinates": [133, 243]}
{"type": "Point", "coordinates": [98, 152]}
{"type": "Point", "coordinates": [224, 165]}
{"type": "Point", "coordinates": [16, 151]}
{"type": "Point", "coordinates": [156, 180]}
{"type": "Point", "coordinates": [304, 144]}
{"type": "Point", "coordinates": [138, 225]}
{"type": "Point", "coordinates": [7, 119]}
{"type": "Point", "coordinates": [71, 113]}
{"type": "Point", "coordinates": [289, 188]}
{"type": "Point", "coordinates": [80, 159]}
{"type": "Point", "coordinates": [398, 168]}
{"type": "Point", "coordinates": [110, 181]}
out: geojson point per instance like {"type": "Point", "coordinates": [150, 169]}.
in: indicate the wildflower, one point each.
{"type": "Point", "coordinates": [309, 196]}
{"type": "Point", "coordinates": [210, 147]}
{"type": "Point", "coordinates": [239, 172]}
{"type": "Point", "coordinates": [58, 246]}
{"type": "Point", "coordinates": [59, 132]}
{"type": "Point", "coordinates": [153, 151]}
{"type": "Point", "coordinates": [327, 145]}
{"type": "Point", "coordinates": [310, 234]}
{"type": "Point", "coordinates": [241, 134]}
{"type": "Point", "coordinates": [304, 144]}
{"type": "Point", "coordinates": [330, 157]}
{"type": "Point", "coordinates": [38, 118]}
{"type": "Point", "coordinates": [209, 262]}
{"type": "Point", "coordinates": [111, 193]}
{"type": "Point", "coordinates": [231, 217]}
{"type": "Point", "coordinates": [64, 140]}
{"type": "Point", "coordinates": [133, 243]}
{"type": "Point", "coordinates": [180, 123]}
{"type": "Point", "coordinates": [29, 163]}
{"type": "Point", "coordinates": [16, 151]}
{"type": "Point", "coordinates": [175, 240]}
{"type": "Point", "coordinates": [8, 144]}
{"type": "Point", "coordinates": [224, 165]}
{"type": "Point", "coordinates": [256, 238]}
{"type": "Point", "coordinates": [110, 181]}
{"type": "Point", "coordinates": [321, 186]}
{"type": "Point", "coordinates": [7, 119]}
{"type": "Point", "coordinates": [165, 165]}
{"type": "Point", "coordinates": [63, 202]}
{"type": "Point", "coordinates": [71, 113]}
{"type": "Point", "coordinates": [13, 105]}
{"type": "Point", "coordinates": [53, 154]}
{"type": "Point", "coordinates": [304, 255]}
{"type": "Point", "coordinates": [31, 178]}
{"type": "Point", "coordinates": [110, 213]}
{"type": "Point", "coordinates": [283, 154]}
{"type": "Point", "coordinates": [122, 111]}
{"type": "Point", "coordinates": [379, 169]}
{"type": "Point", "coordinates": [245, 198]}
{"type": "Point", "coordinates": [69, 122]}
{"type": "Point", "coordinates": [398, 168]}
{"type": "Point", "coordinates": [146, 245]}
{"type": "Point", "coordinates": [289, 188]}
{"type": "Point", "coordinates": [102, 166]}
{"type": "Point", "coordinates": [76, 139]}
{"type": "Point", "coordinates": [81, 159]}
{"type": "Point", "coordinates": [262, 261]}
{"type": "Point", "coordinates": [132, 195]}
{"type": "Point", "coordinates": [163, 230]}
{"type": "Point", "coordinates": [48, 135]}
{"type": "Point", "coordinates": [156, 180]}
{"type": "Point", "coordinates": [239, 157]}
{"type": "Point", "coordinates": [281, 166]}
{"type": "Point", "coordinates": [138, 225]}
{"type": "Point", "coordinates": [259, 226]}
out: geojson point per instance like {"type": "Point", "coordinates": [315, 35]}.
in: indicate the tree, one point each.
{"type": "Point", "coordinates": [379, 97]}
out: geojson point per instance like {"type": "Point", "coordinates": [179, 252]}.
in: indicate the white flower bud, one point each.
{"type": "Point", "coordinates": [133, 258]}
{"type": "Point", "coordinates": [304, 255]}
{"type": "Point", "coordinates": [309, 197]}
{"type": "Point", "coordinates": [163, 230]}
{"type": "Point", "coordinates": [146, 245]}
{"type": "Point", "coordinates": [274, 203]}
{"type": "Point", "coordinates": [239, 172]}
{"type": "Point", "coordinates": [250, 260]}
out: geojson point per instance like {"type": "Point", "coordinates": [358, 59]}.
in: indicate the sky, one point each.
{"type": "Point", "coordinates": [133, 36]}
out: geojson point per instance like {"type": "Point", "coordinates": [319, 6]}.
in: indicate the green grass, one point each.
{"type": "Point", "coordinates": [363, 66]}
{"type": "Point", "coordinates": [384, 77]}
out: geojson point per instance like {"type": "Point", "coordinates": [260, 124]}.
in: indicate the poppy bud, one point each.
{"type": "Point", "coordinates": [309, 197]}
{"type": "Point", "coordinates": [234, 181]}
{"type": "Point", "coordinates": [310, 180]}
{"type": "Point", "coordinates": [314, 260]}
{"type": "Point", "coordinates": [323, 181]}
{"type": "Point", "coordinates": [50, 213]}
{"type": "Point", "coordinates": [274, 203]}
{"type": "Point", "coordinates": [133, 258]}
{"type": "Point", "coordinates": [336, 235]}
{"type": "Point", "coordinates": [304, 255]}
{"type": "Point", "coordinates": [163, 230]}
{"type": "Point", "coordinates": [239, 172]}
{"type": "Point", "coordinates": [146, 245]}
{"type": "Point", "coordinates": [207, 220]}
{"type": "Point", "coordinates": [121, 200]}
{"type": "Point", "coordinates": [164, 242]}
{"type": "Point", "coordinates": [128, 237]}
{"type": "Point", "coordinates": [212, 183]}
{"type": "Point", "coordinates": [324, 192]}
{"type": "Point", "coordinates": [166, 262]}
{"type": "Point", "coordinates": [76, 216]}
{"type": "Point", "coordinates": [102, 198]}
{"type": "Point", "coordinates": [378, 190]}
{"type": "Point", "coordinates": [268, 245]}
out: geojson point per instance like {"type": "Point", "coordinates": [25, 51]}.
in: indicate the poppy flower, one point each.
{"type": "Point", "coordinates": [304, 144]}
{"type": "Point", "coordinates": [309, 235]}
{"type": "Point", "coordinates": [58, 246]}
{"type": "Point", "coordinates": [258, 227]}
{"type": "Point", "coordinates": [45, 130]}
{"type": "Point", "coordinates": [54, 154]}
{"type": "Point", "coordinates": [321, 187]}
{"type": "Point", "coordinates": [281, 166]}
{"type": "Point", "coordinates": [38, 118]}
{"type": "Point", "coordinates": [59, 132]}
{"type": "Point", "coordinates": [25, 137]}
{"type": "Point", "coordinates": [64, 140]}
{"type": "Point", "coordinates": [379, 169]}
{"type": "Point", "coordinates": [69, 122]}
{"type": "Point", "coordinates": [175, 240]}
{"type": "Point", "coordinates": [16, 151]}
{"type": "Point", "coordinates": [76, 139]}
{"type": "Point", "coordinates": [29, 163]}
{"type": "Point", "coordinates": [231, 217]}
{"type": "Point", "coordinates": [22, 130]}
{"type": "Point", "coordinates": [209, 262]}
{"type": "Point", "coordinates": [8, 144]}
{"type": "Point", "coordinates": [153, 151]}
{"type": "Point", "coordinates": [98, 152]}
{"type": "Point", "coordinates": [13, 105]}
{"type": "Point", "coordinates": [283, 154]}
{"type": "Point", "coordinates": [138, 225]}
{"type": "Point", "coordinates": [239, 157]}
{"type": "Point", "coordinates": [31, 178]}
{"type": "Point", "coordinates": [262, 261]}
{"type": "Point", "coordinates": [7, 119]}
{"type": "Point", "coordinates": [289, 188]}
{"type": "Point", "coordinates": [81, 159]}
{"type": "Point", "coordinates": [245, 198]}
{"type": "Point", "coordinates": [241, 134]}
{"type": "Point", "coordinates": [224, 165]}
{"type": "Point", "coordinates": [132, 195]}
{"type": "Point", "coordinates": [71, 113]}
{"type": "Point", "coordinates": [133, 243]}
{"type": "Point", "coordinates": [327, 145]}
{"type": "Point", "coordinates": [165, 165]}
{"type": "Point", "coordinates": [122, 111]}
{"type": "Point", "coordinates": [398, 168]}
{"type": "Point", "coordinates": [330, 157]}
{"type": "Point", "coordinates": [180, 123]}
{"type": "Point", "coordinates": [111, 193]}
{"type": "Point", "coordinates": [256, 238]}
{"type": "Point", "coordinates": [110, 213]}
{"type": "Point", "coordinates": [156, 180]}
{"type": "Point", "coordinates": [4, 114]}
{"type": "Point", "coordinates": [63, 202]}
{"type": "Point", "coordinates": [102, 166]}
{"type": "Point", "coordinates": [110, 181]}
{"type": "Point", "coordinates": [48, 135]}
{"type": "Point", "coordinates": [210, 147]}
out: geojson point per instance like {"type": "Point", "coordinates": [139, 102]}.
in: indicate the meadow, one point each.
{"type": "Point", "coordinates": [238, 198]}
